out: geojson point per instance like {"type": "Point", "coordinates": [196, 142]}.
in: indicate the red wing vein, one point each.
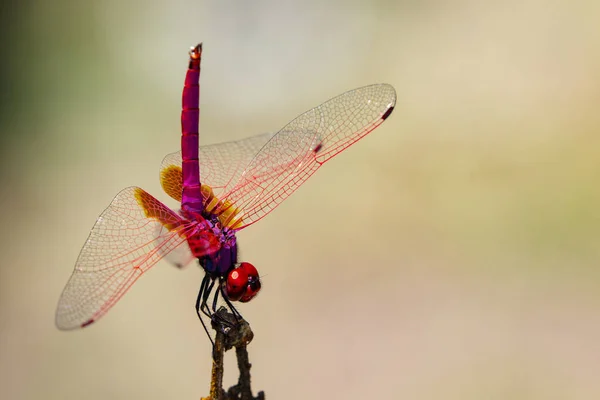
{"type": "Point", "coordinates": [122, 245]}
{"type": "Point", "coordinates": [286, 161]}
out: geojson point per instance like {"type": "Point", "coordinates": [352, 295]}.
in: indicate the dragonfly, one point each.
{"type": "Point", "coordinates": [222, 188]}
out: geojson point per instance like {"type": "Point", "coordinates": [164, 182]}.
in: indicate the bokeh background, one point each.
{"type": "Point", "coordinates": [452, 254]}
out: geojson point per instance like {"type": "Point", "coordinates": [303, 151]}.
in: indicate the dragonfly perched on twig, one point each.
{"type": "Point", "coordinates": [222, 188]}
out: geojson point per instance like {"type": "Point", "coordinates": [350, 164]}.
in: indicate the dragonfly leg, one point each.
{"type": "Point", "coordinates": [217, 316]}
{"type": "Point", "coordinates": [234, 311]}
{"type": "Point", "coordinates": [204, 304]}
{"type": "Point", "coordinates": [201, 296]}
{"type": "Point", "coordinates": [215, 299]}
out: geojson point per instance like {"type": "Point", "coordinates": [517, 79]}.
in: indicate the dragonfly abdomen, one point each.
{"type": "Point", "coordinates": [191, 196]}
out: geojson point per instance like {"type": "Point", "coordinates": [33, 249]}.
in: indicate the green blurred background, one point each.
{"type": "Point", "coordinates": [452, 254]}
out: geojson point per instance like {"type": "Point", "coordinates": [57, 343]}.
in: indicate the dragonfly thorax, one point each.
{"type": "Point", "coordinates": [240, 282]}
{"type": "Point", "coordinates": [223, 258]}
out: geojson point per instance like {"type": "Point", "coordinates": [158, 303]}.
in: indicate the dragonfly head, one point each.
{"type": "Point", "coordinates": [243, 283]}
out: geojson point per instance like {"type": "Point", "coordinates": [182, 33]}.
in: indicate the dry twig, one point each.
{"type": "Point", "coordinates": [231, 332]}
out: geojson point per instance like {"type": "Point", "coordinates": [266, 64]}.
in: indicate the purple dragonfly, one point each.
{"type": "Point", "coordinates": [222, 188]}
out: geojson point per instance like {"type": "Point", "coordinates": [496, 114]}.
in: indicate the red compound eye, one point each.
{"type": "Point", "coordinates": [253, 286]}
{"type": "Point", "coordinates": [237, 281]}
{"type": "Point", "coordinates": [250, 269]}
{"type": "Point", "coordinates": [243, 283]}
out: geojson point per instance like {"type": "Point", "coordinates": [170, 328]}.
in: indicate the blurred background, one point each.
{"type": "Point", "coordinates": [452, 254]}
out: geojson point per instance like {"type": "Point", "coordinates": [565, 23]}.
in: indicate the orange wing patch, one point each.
{"type": "Point", "coordinates": [226, 211]}
{"type": "Point", "coordinates": [155, 209]}
{"type": "Point", "coordinates": [171, 180]}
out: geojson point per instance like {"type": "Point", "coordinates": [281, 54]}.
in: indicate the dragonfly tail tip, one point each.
{"type": "Point", "coordinates": [196, 52]}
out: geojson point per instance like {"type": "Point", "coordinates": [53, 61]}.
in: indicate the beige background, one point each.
{"type": "Point", "coordinates": [452, 254]}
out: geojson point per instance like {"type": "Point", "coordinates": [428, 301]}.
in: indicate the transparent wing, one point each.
{"type": "Point", "coordinates": [292, 155]}
{"type": "Point", "coordinates": [180, 257]}
{"type": "Point", "coordinates": [220, 163]}
{"type": "Point", "coordinates": [129, 237]}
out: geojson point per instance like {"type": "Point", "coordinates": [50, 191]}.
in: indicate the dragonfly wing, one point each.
{"type": "Point", "coordinates": [219, 164]}
{"type": "Point", "coordinates": [292, 155]}
{"type": "Point", "coordinates": [180, 257]}
{"type": "Point", "coordinates": [129, 237]}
